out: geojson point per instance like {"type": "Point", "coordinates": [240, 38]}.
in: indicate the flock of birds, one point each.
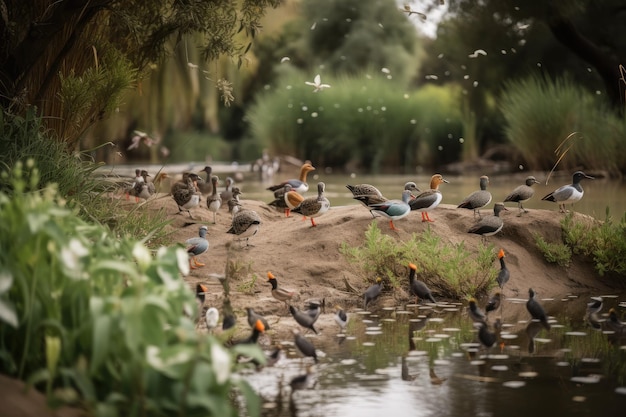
{"type": "Point", "coordinates": [289, 196]}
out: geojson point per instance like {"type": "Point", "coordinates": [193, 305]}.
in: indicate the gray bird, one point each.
{"type": "Point", "coordinates": [418, 288]}
{"type": "Point", "coordinates": [303, 318]}
{"type": "Point", "coordinates": [522, 193]}
{"type": "Point", "coordinates": [312, 207]}
{"type": "Point", "coordinates": [475, 313]}
{"type": "Point", "coordinates": [196, 246]}
{"type": "Point", "coordinates": [254, 316]}
{"type": "Point", "coordinates": [568, 194]}
{"type": "Point", "coordinates": [304, 345]}
{"type": "Point", "coordinates": [478, 199]}
{"type": "Point", "coordinates": [494, 302]}
{"type": "Point", "coordinates": [214, 201]}
{"type": "Point", "coordinates": [489, 225]}
{"type": "Point", "coordinates": [372, 292]}
{"type": "Point", "coordinates": [206, 187]}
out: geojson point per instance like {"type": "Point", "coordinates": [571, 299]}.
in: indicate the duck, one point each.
{"type": "Point", "coordinates": [341, 317]}
{"type": "Point", "coordinates": [214, 201]}
{"type": "Point", "coordinates": [257, 329]}
{"type": "Point", "coordinates": [568, 194]}
{"type": "Point", "coordinates": [245, 224]}
{"type": "Point", "coordinates": [227, 193]}
{"type": "Point", "coordinates": [279, 199]}
{"type": "Point", "coordinates": [313, 207]}
{"type": "Point", "coordinates": [504, 274]}
{"type": "Point", "coordinates": [211, 318]}
{"type": "Point", "coordinates": [195, 178]}
{"type": "Point", "coordinates": [367, 194]}
{"type": "Point", "coordinates": [205, 186]}
{"type": "Point", "coordinates": [494, 302]}
{"type": "Point", "coordinates": [475, 313]}
{"type": "Point", "coordinates": [303, 319]}
{"type": "Point", "coordinates": [253, 317]}
{"type": "Point", "coordinates": [392, 209]}
{"type": "Point", "coordinates": [489, 225]}
{"type": "Point", "coordinates": [147, 189]}
{"type": "Point", "coordinates": [130, 190]}
{"type": "Point", "coordinates": [536, 310]}
{"type": "Point", "coordinates": [372, 292]}
{"type": "Point", "coordinates": [412, 187]}
{"type": "Point", "coordinates": [292, 199]}
{"type": "Point", "coordinates": [418, 288]}
{"type": "Point", "coordinates": [429, 199]}
{"type": "Point", "coordinates": [478, 199]}
{"type": "Point", "coordinates": [196, 246]}
{"type": "Point", "coordinates": [522, 193]}
{"type": "Point", "coordinates": [280, 294]}
{"type": "Point", "coordinates": [304, 345]}
{"type": "Point", "coordinates": [187, 197]}
{"type": "Point", "coordinates": [299, 185]}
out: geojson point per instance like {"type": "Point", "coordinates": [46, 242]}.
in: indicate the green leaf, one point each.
{"type": "Point", "coordinates": [7, 313]}
{"type": "Point", "coordinates": [101, 339]}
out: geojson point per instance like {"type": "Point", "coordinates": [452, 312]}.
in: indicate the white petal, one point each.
{"type": "Point", "coordinates": [221, 363]}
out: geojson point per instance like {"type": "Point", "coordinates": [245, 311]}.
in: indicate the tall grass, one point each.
{"type": "Point", "coordinates": [368, 122]}
{"type": "Point", "coordinates": [541, 113]}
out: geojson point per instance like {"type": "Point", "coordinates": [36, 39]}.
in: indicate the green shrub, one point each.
{"type": "Point", "coordinates": [449, 270]}
{"type": "Point", "coordinates": [97, 321]}
{"type": "Point", "coordinates": [557, 253]}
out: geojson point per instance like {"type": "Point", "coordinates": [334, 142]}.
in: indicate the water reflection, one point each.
{"type": "Point", "coordinates": [420, 360]}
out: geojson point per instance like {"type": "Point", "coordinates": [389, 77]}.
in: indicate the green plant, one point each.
{"type": "Point", "coordinates": [557, 253]}
{"type": "Point", "coordinates": [98, 319]}
{"type": "Point", "coordinates": [248, 286]}
{"type": "Point", "coordinates": [450, 270]}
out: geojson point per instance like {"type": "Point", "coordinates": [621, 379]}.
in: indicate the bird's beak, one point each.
{"type": "Point", "coordinates": [591, 178]}
{"type": "Point", "coordinates": [445, 180]}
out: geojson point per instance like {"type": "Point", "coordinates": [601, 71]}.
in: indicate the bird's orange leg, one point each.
{"type": "Point", "coordinates": [190, 265]}
{"type": "Point", "coordinates": [393, 227]}
{"type": "Point", "coordinates": [312, 222]}
{"type": "Point", "coordinates": [287, 211]}
{"type": "Point", "coordinates": [428, 217]}
{"type": "Point", "coordinates": [196, 263]}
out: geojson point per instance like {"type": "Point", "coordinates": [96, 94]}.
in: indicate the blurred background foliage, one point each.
{"type": "Point", "coordinates": [206, 79]}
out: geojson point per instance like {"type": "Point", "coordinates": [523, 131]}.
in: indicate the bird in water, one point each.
{"type": "Point", "coordinates": [418, 288]}
{"type": "Point", "coordinates": [487, 337]}
{"type": "Point", "coordinates": [475, 313]}
{"type": "Point", "coordinates": [429, 199]}
{"type": "Point", "coordinates": [313, 207]}
{"type": "Point", "coordinates": [522, 193]}
{"type": "Point", "coordinates": [615, 324]}
{"type": "Point", "coordinates": [304, 345]}
{"type": "Point", "coordinates": [478, 199]}
{"type": "Point", "coordinates": [494, 302]}
{"type": "Point", "coordinates": [489, 225]}
{"type": "Point", "coordinates": [568, 194]}
{"type": "Point", "coordinates": [196, 246]}
{"type": "Point", "coordinates": [503, 274]}
{"type": "Point", "coordinates": [341, 317]}
{"type": "Point", "coordinates": [214, 201]}
{"type": "Point", "coordinates": [279, 293]}
{"type": "Point", "coordinates": [536, 310]}
{"type": "Point", "coordinates": [372, 292]}
{"type": "Point", "coordinates": [593, 308]}
{"type": "Point", "coordinates": [303, 318]}
{"type": "Point", "coordinates": [299, 185]}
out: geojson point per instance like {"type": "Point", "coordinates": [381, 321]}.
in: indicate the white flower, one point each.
{"type": "Point", "coordinates": [71, 254]}
{"type": "Point", "coordinates": [182, 257]}
{"type": "Point", "coordinates": [221, 363]}
{"type": "Point", "coordinates": [317, 83]}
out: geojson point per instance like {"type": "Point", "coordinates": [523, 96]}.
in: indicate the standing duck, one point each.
{"type": "Point", "coordinates": [372, 292]}
{"type": "Point", "coordinates": [536, 310]}
{"type": "Point", "coordinates": [568, 194]}
{"type": "Point", "coordinates": [186, 197]}
{"type": "Point", "coordinates": [478, 199]}
{"type": "Point", "coordinates": [245, 224]}
{"type": "Point", "coordinates": [131, 189]}
{"type": "Point", "coordinates": [314, 206]}
{"type": "Point", "coordinates": [503, 274]}
{"type": "Point", "coordinates": [292, 199]}
{"type": "Point", "coordinates": [303, 318]}
{"type": "Point", "coordinates": [299, 185]}
{"type": "Point", "coordinates": [489, 225]}
{"type": "Point", "coordinates": [280, 294]}
{"type": "Point", "coordinates": [412, 187]}
{"type": "Point", "coordinates": [367, 194]}
{"type": "Point", "coordinates": [214, 201]}
{"type": "Point", "coordinates": [205, 187]}
{"type": "Point", "coordinates": [418, 288]}
{"type": "Point", "coordinates": [227, 193]}
{"type": "Point", "coordinates": [429, 199]}
{"type": "Point", "coordinates": [392, 209]}
{"type": "Point", "coordinates": [196, 246]}
{"type": "Point", "coordinates": [522, 193]}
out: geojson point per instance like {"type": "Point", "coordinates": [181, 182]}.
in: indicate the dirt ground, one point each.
{"type": "Point", "coordinates": [307, 259]}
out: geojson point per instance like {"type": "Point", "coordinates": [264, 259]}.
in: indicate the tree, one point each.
{"type": "Point", "coordinates": [74, 59]}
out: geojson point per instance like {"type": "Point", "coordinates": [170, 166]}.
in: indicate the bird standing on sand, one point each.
{"type": "Point", "coordinates": [313, 207]}
{"type": "Point", "coordinates": [475, 313]}
{"type": "Point", "coordinates": [418, 288]}
{"type": "Point", "coordinates": [503, 274]}
{"type": "Point", "coordinates": [292, 199]}
{"type": "Point", "coordinates": [429, 199]}
{"type": "Point", "coordinates": [299, 185]}
{"type": "Point", "coordinates": [522, 193]}
{"type": "Point", "coordinates": [205, 187]}
{"type": "Point", "coordinates": [489, 225]}
{"type": "Point", "coordinates": [478, 199]}
{"type": "Point", "coordinates": [304, 345]}
{"type": "Point", "coordinates": [245, 224]}
{"type": "Point", "coordinates": [186, 196]}
{"type": "Point", "coordinates": [196, 246]}
{"type": "Point", "coordinates": [253, 317]}
{"type": "Point", "coordinates": [391, 209]}
{"type": "Point", "coordinates": [568, 194]}
{"type": "Point", "coordinates": [367, 194]}
{"type": "Point", "coordinates": [131, 189]}
{"type": "Point", "coordinates": [372, 292]}
{"type": "Point", "coordinates": [214, 201]}
{"type": "Point", "coordinates": [211, 318]}
{"type": "Point", "coordinates": [303, 319]}
{"type": "Point", "coordinates": [536, 310]}
{"type": "Point", "coordinates": [280, 294]}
